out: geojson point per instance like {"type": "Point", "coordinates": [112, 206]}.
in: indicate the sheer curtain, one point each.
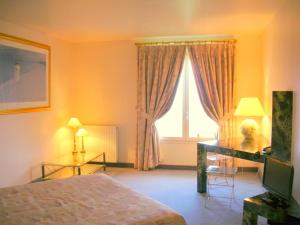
{"type": "Point", "coordinates": [213, 66]}
{"type": "Point", "coordinates": [159, 68]}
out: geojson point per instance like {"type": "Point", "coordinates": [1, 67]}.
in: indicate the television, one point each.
{"type": "Point", "coordinates": [278, 178]}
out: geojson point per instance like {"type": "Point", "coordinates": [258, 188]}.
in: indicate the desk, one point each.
{"type": "Point", "coordinates": [231, 147]}
{"type": "Point", "coordinates": [255, 206]}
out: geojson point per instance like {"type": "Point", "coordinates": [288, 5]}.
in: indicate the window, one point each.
{"type": "Point", "coordinates": [186, 119]}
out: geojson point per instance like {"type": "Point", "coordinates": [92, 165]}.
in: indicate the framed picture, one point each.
{"type": "Point", "coordinates": [24, 75]}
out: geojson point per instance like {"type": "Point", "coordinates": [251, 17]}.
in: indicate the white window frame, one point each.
{"type": "Point", "coordinates": [185, 109]}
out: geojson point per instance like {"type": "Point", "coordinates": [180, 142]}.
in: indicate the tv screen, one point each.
{"type": "Point", "coordinates": [278, 177]}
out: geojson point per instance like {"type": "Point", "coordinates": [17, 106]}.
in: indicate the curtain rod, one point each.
{"type": "Point", "coordinates": [198, 42]}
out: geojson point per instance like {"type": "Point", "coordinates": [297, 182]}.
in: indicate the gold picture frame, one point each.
{"type": "Point", "coordinates": [24, 75]}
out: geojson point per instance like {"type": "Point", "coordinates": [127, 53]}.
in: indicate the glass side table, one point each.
{"type": "Point", "coordinates": [76, 164]}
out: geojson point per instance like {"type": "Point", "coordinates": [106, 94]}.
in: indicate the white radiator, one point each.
{"type": "Point", "coordinates": [102, 139]}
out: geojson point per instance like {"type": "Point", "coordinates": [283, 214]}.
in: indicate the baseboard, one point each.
{"type": "Point", "coordinates": [185, 167]}
{"type": "Point", "coordinates": [119, 164]}
{"type": "Point", "coordinates": [37, 180]}
{"type": "Point", "coordinates": [176, 167]}
{"type": "Point", "coordinates": [248, 169]}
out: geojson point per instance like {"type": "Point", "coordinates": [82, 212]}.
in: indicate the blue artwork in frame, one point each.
{"type": "Point", "coordinates": [24, 75]}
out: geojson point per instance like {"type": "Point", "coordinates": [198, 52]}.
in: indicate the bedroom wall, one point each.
{"type": "Point", "coordinates": [98, 92]}
{"type": "Point", "coordinates": [249, 78]}
{"type": "Point", "coordinates": [106, 77]}
{"type": "Point", "coordinates": [29, 138]}
{"type": "Point", "coordinates": [282, 72]}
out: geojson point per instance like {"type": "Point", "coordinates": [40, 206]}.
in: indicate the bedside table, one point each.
{"type": "Point", "coordinates": [76, 164]}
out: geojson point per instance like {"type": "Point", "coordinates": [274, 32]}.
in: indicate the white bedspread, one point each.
{"type": "Point", "coordinates": [85, 200]}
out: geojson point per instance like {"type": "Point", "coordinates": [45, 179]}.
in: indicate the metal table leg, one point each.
{"type": "Point", "coordinates": [43, 171]}
{"type": "Point", "coordinates": [104, 162]}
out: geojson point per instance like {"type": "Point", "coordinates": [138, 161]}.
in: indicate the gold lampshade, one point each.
{"type": "Point", "coordinates": [249, 107]}
{"type": "Point", "coordinates": [74, 122]}
{"type": "Point", "coordinates": [81, 132]}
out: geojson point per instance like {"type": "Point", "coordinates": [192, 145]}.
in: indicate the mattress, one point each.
{"type": "Point", "coordinates": [86, 200]}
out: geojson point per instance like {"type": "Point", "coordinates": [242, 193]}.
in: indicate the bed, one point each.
{"type": "Point", "coordinates": [86, 200]}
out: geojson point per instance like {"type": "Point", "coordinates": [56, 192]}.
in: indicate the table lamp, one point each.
{"type": "Point", "coordinates": [74, 123]}
{"type": "Point", "coordinates": [81, 133]}
{"type": "Point", "coordinates": [249, 107]}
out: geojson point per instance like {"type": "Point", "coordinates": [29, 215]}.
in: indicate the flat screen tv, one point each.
{"type": "Point", "coordinates": [278, 178]}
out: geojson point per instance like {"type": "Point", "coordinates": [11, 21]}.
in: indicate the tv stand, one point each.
{"type": "Point", "coordinates": [273, 200]}
{"type": "Point", "coordinates": [276, 212]}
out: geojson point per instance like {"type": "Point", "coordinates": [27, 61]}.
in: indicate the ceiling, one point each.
{"type": "Point", "coordinates": [101, 20]}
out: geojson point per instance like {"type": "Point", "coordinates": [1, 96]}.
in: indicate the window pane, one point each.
{"type": "Point", "coordinates": [170, 125]}
{"type": "Point", "coordinates": [200, 125]}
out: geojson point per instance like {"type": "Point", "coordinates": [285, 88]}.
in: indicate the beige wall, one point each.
{"type": "Point", "coordinates": [106, 78]}
{"type": "Point", "coordinates": [249, 77]}
{"type": "Point", "coordinates": [106, 93]}
{"type": "Point", "coordinates": [282, 71]}
{"type": "Point", "coordinates": [29, 138]}
{"type": "Point", "coordinates": [249, 72]}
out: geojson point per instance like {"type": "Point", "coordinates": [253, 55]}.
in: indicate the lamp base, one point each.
{"type": "Point", "coordinates": [248, 130]}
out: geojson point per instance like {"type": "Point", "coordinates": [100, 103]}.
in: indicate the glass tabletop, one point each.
{"type": "Point", "coordinates": [74, 160]}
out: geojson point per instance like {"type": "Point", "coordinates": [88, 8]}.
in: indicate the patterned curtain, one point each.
{"type": "Point", "coordinates": [213, 66]}
{"type": "Point", "coordinates": [159, 68]}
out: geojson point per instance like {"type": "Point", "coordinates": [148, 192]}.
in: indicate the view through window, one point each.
{"type": "Point", "coordinates": [186, 120]}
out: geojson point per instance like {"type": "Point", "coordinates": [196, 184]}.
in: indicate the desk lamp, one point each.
{"type": "Point", "coordinates": [249, 107]}
{"type": "Point", "coordinates": [81, 133]}
{"type": "Point", "coordinates": [74, 123]}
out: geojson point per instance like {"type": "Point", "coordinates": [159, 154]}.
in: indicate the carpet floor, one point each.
{"type": "Point", "coordinates": [178, 190]}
